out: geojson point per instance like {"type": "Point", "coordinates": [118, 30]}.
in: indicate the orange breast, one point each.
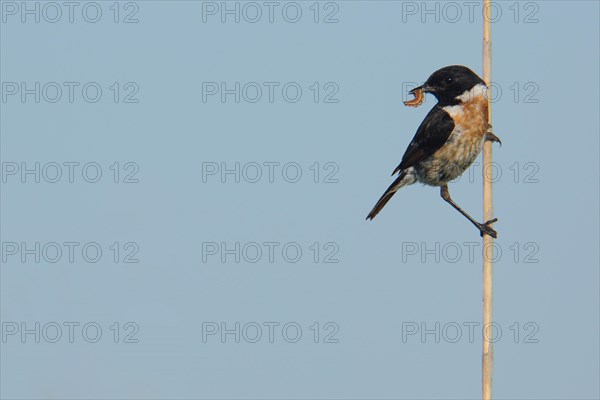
{"type": "Point", "coordinates": [471, 117]}
{"type": "Point", "coordinates": [470, 127]}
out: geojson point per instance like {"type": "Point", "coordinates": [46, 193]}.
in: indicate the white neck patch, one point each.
{"type": "Point", "coordinates": [478, 90]}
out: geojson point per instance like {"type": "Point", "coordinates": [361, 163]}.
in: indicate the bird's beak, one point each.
{"type": "Point", "coordinates": [425, 88]}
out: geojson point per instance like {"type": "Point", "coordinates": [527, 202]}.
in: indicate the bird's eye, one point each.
{"type": "Point", "coordinates": [449, 79]}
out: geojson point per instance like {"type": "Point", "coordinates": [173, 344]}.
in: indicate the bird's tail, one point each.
{"type": "Point", "coordinates": [406, 177]}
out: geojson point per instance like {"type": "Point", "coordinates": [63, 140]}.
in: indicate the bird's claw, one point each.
{"type": "Point", "coordinates": [485, 228]}
{"type": "Point", "coordinates": [491, 137]}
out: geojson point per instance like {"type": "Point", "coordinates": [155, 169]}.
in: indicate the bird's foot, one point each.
{"type": "Point", "coordinates": [491, 137]}
{"type": "Point", "coordinates": [485, 228]}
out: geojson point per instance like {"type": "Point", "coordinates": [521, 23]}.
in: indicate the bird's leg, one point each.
{"type": "Point", "coordinates": [483, 228]}
{"type": "Point", "coordinates": [489, 135]}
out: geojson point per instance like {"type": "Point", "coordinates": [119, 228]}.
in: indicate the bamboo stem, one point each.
{"type": "Point", "coordinates": [488, 213]}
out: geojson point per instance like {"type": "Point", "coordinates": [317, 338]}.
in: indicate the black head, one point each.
{"type": "Point", "coordinates": [447, 83]}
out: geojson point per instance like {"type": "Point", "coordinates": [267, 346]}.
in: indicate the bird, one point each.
{"type": "Point", "coordinates": [448, 140]}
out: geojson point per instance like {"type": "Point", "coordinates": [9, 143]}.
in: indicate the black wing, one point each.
{"type": "Point", "coordinates": [433, 132]}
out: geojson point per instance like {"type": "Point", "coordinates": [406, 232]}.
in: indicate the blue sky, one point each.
{"type": "Point", "coordinates": [184, 194]}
